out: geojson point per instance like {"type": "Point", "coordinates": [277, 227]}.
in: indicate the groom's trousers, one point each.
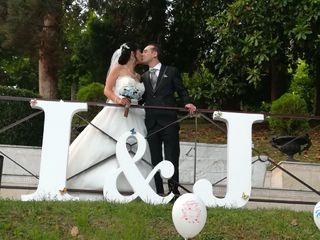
{"type": "Point", "coordinates": [169, 137]}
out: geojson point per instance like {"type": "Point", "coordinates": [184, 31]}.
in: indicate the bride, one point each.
{"type": "Point", "coordinates": [92, 154]}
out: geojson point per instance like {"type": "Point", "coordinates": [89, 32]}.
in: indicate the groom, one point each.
{"type": "Point", "coordinates": [161, 83]}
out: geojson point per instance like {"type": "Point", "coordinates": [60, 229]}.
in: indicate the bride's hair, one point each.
{"type": "Point", "coordinates": [126, 50]}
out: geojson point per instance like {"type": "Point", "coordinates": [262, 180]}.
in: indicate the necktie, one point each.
{"type": "Point", "coordinates": [153, 77]}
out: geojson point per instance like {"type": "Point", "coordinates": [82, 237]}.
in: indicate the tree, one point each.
{"type": "Point", "coordinates": [186, 35]}
{"type": "Point", "coordinates": [93, 35]}
{"type": "Point", "coordinates": [18, 71]}
{"type": "Point", "coordinates": [34, 27]}
{"type": "Point", "coordinates": [306, 40]}
{"type": "Point", "coordinates": [257, 41]}
{"type": "Point", "coordinates": [252, 44]}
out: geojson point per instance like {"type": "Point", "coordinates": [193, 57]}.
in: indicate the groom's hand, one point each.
{"type": "Point", "coordinates": [191, 108]}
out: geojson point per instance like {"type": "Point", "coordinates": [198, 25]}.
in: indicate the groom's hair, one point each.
{"type": "Point", "coordinates": [156, 48]}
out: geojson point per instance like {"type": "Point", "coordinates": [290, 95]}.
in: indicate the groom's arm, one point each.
{"type": "Point", "coordinates": [142, 100]}
{"type": "Point", "coordinates": [143, 97]}
{"type": "Point", "coordinates": [179, 87]}
{"type": "Point", "coordinates": [183, 92]}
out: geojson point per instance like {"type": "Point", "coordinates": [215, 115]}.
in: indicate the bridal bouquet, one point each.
{"type": "Point", "coordinates": [130, 92]}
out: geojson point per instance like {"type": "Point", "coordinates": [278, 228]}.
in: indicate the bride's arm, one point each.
{"type": "Point", "coordinates": [108, 89]}
{"type": "Point", "coordinates": [110, 82]}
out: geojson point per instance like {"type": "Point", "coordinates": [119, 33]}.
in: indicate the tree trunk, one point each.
{"type": "Point", "coordinates": [158, 21]}
{"type": "Point", "coordinates": [73, 90]}
{"type": "Point", "coordinates": [48, 58]}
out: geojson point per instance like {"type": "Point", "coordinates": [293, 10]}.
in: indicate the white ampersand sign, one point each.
{"type": "Point", "coordinates": [140, 185]}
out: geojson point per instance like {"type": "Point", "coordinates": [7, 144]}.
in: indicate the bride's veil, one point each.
{"type": "Point", "coordinates": [114, 59]}
{"type": "Point", "coordinates": [116, 55]}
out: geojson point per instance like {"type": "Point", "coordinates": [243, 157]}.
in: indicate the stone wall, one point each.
{"type": "Point", "coordinates": [210, 164]}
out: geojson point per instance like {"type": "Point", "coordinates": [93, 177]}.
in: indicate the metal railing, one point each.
{"type": "Point", "coordinates": [201, 113]}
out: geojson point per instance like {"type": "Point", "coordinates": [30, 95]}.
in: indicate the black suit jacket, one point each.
{"type": "Point", "coordinates": [168, 84]}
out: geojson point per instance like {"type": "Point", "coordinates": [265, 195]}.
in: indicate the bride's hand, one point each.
{"type": "Point", "coordinates": [124, 101]}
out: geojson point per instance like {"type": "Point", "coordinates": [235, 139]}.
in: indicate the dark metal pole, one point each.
{"type": "Point", "coordinates": [1, 167]}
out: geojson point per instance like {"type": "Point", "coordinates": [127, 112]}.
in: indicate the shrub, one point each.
{"type": "Point", "coordinates": [207, 90]}
{"type": "Point", "coordinates": [288, 104]}
{"type": "Point", "coordinates": [302, 84]}
{"type": "Point", "coordinates": [27, 133]}
{"type": "Point", "coordinates": [92, 92]}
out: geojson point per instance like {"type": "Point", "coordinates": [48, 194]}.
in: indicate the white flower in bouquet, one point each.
{"type": "Point", "coordinates": [130, 92]}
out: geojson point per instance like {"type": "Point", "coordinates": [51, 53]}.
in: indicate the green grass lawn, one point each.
{"type": "Point", "coordinates": [138, 221]}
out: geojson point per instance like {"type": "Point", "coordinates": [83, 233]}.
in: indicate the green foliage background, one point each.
{"type": "Point", "coordinates": [92, 92]}
{"type": "Point", "coordinates": [289, 104]}
{"type": "Point", "coordinates": [233, 55]}
{"type": "Point", "coordinates": [29, 132]}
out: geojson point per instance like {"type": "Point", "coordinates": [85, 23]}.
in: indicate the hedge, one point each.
{"type": "Point", "coordinates": [28, 133]}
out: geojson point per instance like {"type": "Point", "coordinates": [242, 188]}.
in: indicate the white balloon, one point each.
{"type": "Point", "coordinates": [189, 215]}
{"type": "Point", "coordinates": [316, 215]}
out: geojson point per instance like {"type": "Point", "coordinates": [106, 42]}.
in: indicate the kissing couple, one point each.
{"type": "Point", "coordinates": [92, 153]}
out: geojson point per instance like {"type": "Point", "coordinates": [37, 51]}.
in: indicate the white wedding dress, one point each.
{"type": "Point", "coordinates": [92, 146]}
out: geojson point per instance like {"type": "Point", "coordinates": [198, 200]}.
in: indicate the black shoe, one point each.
{"type": "Point", "coordinates": [173, 188]}
{"type": "Point", "coordinates": [161, 193]}
{"type": "Point", "coordinates": [176, 192]}
{"type": "Point", "coordinates": [175, 197]}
